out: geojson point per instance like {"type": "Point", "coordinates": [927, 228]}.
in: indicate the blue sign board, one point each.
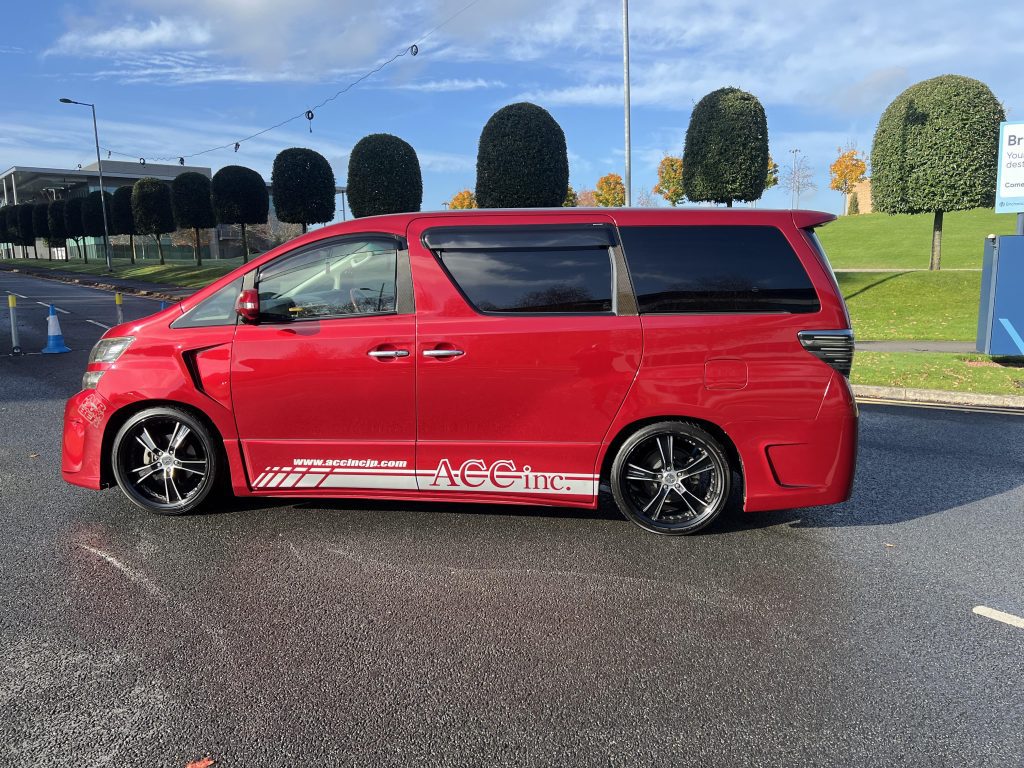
{"type": "Point", "coordinates": [1001, 314]}
{"type": "Point", "coordinates": [1010, 182]}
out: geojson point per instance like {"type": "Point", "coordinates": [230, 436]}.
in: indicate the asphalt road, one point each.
{"type": "Point", "coordinates": [378, 634]}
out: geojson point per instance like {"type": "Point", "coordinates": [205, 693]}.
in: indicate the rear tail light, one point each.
{"type": "Point", "coordinates": [832, 347]}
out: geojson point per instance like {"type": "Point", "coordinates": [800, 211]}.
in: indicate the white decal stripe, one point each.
{"type": "Point", "coordinates": [369, 481]}
{"type": "Point", "coordinates": [311, 480]}
{"type": "Point", "coordinates": [277, 479]}
{"type": "Point", "coordinates": [291, 480]}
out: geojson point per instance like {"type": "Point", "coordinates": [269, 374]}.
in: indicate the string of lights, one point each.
{"type": "Point", "coordinates": [309, 114]}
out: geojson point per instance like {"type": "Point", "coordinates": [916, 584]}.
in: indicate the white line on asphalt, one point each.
{"type": "Point", "coordinates": [101, 325]}
{"type": "Point", "coordinates": [12, 293]}
{"type": "Point", "coordinates": [137, 578]}
{"type": "Point", "coordinates": [1006, 618]}
{"type": "Point", "coordinates": [44, 304]}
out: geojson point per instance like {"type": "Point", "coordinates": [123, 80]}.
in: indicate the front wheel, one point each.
{"type": "Point", "coordinates": [165, 460]}
{"type": "Point", "coordinates": [671, 478]}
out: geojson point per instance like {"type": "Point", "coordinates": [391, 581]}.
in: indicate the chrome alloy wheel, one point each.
{"type": "Point", "coordinates": [671, 478]}
{"type": "Point", "coordinates": [163, 460]}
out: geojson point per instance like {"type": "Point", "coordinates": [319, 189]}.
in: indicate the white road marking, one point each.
{"type": "Point", "coordinates": [1006, 618]}
{"type": "Point", "coordinates": [134, 577]}
{"type": "Point", "coordinates": [44, 304]}
{"type": "Point", "coordinates": [101, 325]}
{"type": "Point", "coordinates": [12, 293]}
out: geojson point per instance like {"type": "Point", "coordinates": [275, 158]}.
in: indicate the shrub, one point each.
{"type": "Point", "coordinates": [73, 224]}
{"type": "Point", "coordinates": [383, 176]}
{"type": "Point", "coordinates": [853, 208]}
{"type": "Point", "coordinates": [152, 210]}
{"type": "Point", "coordinates": [522, 161]}
{"type": "Point", "coordinates": [192, 207]}
{"type": "Point", "coordinates": [55, 221]}
{"type": "Point", "coordinates": [122, 221]}
{"type": "Point", "coordinates": [26, 232]}
{"type": "Point", "coordinates": [725, 157]}
{"type": "Point", "coordinates": [240, 197]}
{"type": "Point", "coordinates": [92, 213]}
{"type": "Point", "coordinates": [302, 182]}
{"type": "Point", "coordinates": [936, 149]}
{"type": "Point", "coordinates": [41, 225]}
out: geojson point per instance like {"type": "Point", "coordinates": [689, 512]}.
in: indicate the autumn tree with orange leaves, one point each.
{"type": "Point", "coordinates": [462, 201]}
{"type": "Point", "coordinates": [670, 180]}
{"type": "Point", "coordinates": [847, 171]}
{"type": "Point", "coordinates": [610, 192]}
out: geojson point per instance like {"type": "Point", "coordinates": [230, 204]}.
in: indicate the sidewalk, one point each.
{"type": "Point", "coordinates": [915, 346]}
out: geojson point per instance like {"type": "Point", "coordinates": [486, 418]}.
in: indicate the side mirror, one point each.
{"type": "Point", "coordinates": [248, 305]}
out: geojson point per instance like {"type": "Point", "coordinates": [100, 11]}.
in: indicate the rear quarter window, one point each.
{"type": "Point", "coordinates": [716, 269]}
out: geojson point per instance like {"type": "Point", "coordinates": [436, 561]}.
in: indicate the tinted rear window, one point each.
{"type": "Point", "coordinates": [716, 269]}
{"type": "Point", "coordinates": [577, 281]}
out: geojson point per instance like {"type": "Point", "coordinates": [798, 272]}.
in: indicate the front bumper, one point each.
{"type": "Point", "coordinates": [85, 419]}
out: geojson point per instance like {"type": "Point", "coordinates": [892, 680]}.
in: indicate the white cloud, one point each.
{"type": "Point", "coordinates": [162, 33]}
{"type": "Point", "coordinates": [450, 84]}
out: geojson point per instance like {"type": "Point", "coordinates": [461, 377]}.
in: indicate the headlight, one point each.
{"type": "Point", "coordinates": [91, 379]}
{"type": "Point", "coordinates": [108, 350]}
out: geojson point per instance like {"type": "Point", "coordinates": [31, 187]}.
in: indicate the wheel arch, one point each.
{"type": "Point", "coordinates": [728, 445]}
{"type": "Point", "coordinates": [121, 415]}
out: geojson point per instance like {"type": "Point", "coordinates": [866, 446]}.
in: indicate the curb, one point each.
{"type": "Point", "coordinates": [154, 292]}
{"type": "Point", "coordinates": [936, 397]}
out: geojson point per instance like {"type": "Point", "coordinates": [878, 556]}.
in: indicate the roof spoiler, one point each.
{"type": "Point", "coordinates": [811, 219]}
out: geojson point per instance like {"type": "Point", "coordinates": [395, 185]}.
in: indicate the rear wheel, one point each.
{"type": "Point", "coordinates": [165, 460]}
{"type": "Point", "coordinates": [671, 478]}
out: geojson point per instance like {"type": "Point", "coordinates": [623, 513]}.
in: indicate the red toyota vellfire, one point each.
{"type": "Point", "coordinates": [514, 357]}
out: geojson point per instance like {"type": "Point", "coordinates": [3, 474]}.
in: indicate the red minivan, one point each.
{"type": "Point", "coordinates": [514, 357]}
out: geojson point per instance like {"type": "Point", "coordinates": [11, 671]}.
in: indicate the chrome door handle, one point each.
{"type": "Point", "coordinates": [442, 352]}
{"type": "Point", "coordinates": [386, 353]}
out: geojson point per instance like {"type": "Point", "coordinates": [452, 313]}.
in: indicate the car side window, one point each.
{"type": "Point", "coordinates": [340, 279]}
{"type": "Point", "coordinates": [218, 309]}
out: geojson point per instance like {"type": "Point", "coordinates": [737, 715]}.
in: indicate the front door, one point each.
{"type": "Point", "coordinates": [528, 340]}
{"type": "Point", "coordinates": [323, 385]}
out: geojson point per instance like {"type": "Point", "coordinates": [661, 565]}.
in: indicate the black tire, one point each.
{"type": "Point", "coordinates": [671, 478]}
{"type": "Point", "coordinates": [166, 461]}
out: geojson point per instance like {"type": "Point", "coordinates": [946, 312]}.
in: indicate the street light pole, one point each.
{"type": "Point", "coordinates": [625, 77]}
{"type": "Point", "coordinates": [99, 170]}
{"type": "Point", "coordinates": [795, 181]}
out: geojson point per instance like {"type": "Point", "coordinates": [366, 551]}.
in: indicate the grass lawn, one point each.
{"type": "Point", "coordinates": [880, 241]}
{"type": "Point", "coordinates": [183, 274]}
{"type": "Point", "coordinates": [921, 306]}
{"type": "Point", "coordinates": [935, 370]}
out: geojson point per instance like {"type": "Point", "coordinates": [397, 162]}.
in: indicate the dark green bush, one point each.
{"type": "Point", "coordinates": [122, 222]}
{"type": "Point", "coordinates": [193, 207]}
{"type": "Point", "coordinates": [240, 197]}
{"type": "Point", "coordinates": [383, 176]}
{"type": "Point", "coordinates": [92, 213]}
{"type": "Point", "coordinates": [151, 208]}
{"type": "Point", "coordinates": [302, 183]}
{"type": "Point", "coordinates": [55, 221]}
{"type": "Point", "coordinates": [522, 161]}
{"type": "Point", "coordinates": [725, 157]}
{"type": "Point", "coordinates": [26, 232]}
{"type": "Point", "coordinates": [854, 207]}
{"type": "Point", "coordinates": [936, 148]}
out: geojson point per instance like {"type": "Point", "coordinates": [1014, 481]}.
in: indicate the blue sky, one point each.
{"type": "Point", "coordinates": [174, 77]}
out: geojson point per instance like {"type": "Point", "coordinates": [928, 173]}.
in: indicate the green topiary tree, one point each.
{"type": "Point", "coordinates": [73, 225]}
{"type": "Point", "coordinates": [854, 206]}
{"type": "Point", "coordinates": [26, 232]}
{"type": "Point", "coordinates": [55, 223]}
{"type": "Point", "coordinates": [151, 209]}
{"type": "Point", "coordinates": [383, 176]}
{"type": "Point", "coordinates": [302, 183]}
{"type": "Point", "coordinates": [240, 197]}
{"type": "Point", "coordinates": [193, 207]}
{"type": "Point", "coordinates": [936, 150]}
{"type": "Point", "coordinates": [41, 226]}
{"type": "Point", "coordinates": [92, 214]}
{"type": "Point", "coordinates": [571, 198]}
{"type": "Point", "coordinates": [10, 224]}
{"type": "Point", "coordinates": [122, 221]}
{"type": "Point", "coordinates": [725, 157]}
{"type": "Point", "coordinates": [521, 161]}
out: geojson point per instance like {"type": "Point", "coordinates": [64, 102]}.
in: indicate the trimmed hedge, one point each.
{"type": "Point", "coordinates": [522, 160]}
{"type": "Point", "coordinates": [122, 221]}
{"type": "Point", "coordinates": [725, 157]}
{"type": "Point", "coordinates": [191, 201]}
{"type": "Point", "coordinates": [383, 176]}
{"type": "Point", "coordinates": [55, 221]}
{"type": "Point", "coordinates": [302, 182]}
{"type": "Point", "coordinates": [92, 213]}
{"type": "Point", "coordinates": [936, 148]}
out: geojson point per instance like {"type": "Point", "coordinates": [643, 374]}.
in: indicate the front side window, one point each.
{"type": "Point", "coordinates": [336, 280]}
{"type": "Point", "coordinates": [218, 309]}
{"type": "Point", "coordinates": [533, 281]}
{"type": "Point", "coordinates": [711, 269]}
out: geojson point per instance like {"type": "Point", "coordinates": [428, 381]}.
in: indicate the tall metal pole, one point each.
{"type": "Point", "coordinates": [103, 196]}
{"type": "Point", "coordinates": [625, 76]}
